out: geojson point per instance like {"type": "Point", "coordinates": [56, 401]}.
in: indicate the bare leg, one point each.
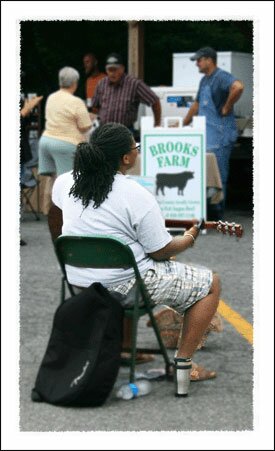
{"type": "Point", "coordinates": [195, 322]}
{"type": "Point", "coordinates": [47, 193]}
{"type": "Point", "coordinates": [197, 318]}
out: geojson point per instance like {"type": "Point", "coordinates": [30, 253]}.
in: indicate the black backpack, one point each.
{"type": "Point", "coordinates": [82, 358]}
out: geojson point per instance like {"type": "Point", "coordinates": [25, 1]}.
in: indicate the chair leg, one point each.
{"type": "Point", "coordinates": [38, 196]}
{"type": "Point", "coordinates": [62, 299]}
{"type": "Point", "coordinates": [28, 202]}
{"type": "Point", "coordinates": [134, 338]}
{"type": "Point", "coordinates": [133, 349]}
{"type": "Point", "coordinates": [65, 283]}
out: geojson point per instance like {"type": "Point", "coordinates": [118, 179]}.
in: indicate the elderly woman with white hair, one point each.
{"type": "Point", "coordinates": [67, 124]}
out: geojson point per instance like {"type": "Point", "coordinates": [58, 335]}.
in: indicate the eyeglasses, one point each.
{"type": "Point", "coordinates": [136, 148]}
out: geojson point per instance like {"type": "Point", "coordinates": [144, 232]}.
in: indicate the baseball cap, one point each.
{"type": "Point", "coordinates": [114, 60]}
{"type": "Point", "coordinates": [204, 52]}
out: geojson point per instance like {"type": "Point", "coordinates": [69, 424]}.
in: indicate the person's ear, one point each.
{"type": "Point", "coordinates": [125, 159]}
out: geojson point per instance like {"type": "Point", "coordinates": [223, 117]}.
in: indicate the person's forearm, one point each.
{"type": "Point", "coordinates": [156, 107]}
{"type": "Point", "coordinates": [29, 104]}
{"type": "Point", "coordinates": [193, 111]}
{"type": "Point", "coordinates": [178, 244]}
{"type": "Point", "coordinates": [24, 112]}
{"type": "Point", "coordinates": [234, 95]}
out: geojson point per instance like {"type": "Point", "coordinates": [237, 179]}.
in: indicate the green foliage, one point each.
{"type": "Point", "coordinates": [46, 46]}
{"type": "Point", "coordinates": [162, 39]}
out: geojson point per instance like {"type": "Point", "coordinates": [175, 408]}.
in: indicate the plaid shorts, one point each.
{"type": "Point", "coordinates": [171, 283]}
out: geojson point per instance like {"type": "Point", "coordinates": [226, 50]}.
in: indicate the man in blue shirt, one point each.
{"type": "Point", "coordinates": [218, 92]}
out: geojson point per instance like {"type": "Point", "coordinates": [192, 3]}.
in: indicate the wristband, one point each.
{"type": "Point", "coordinates": [189, 234]}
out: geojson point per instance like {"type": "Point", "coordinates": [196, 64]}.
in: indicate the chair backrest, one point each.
{"type": "Point", "coordinates": [94, 251]}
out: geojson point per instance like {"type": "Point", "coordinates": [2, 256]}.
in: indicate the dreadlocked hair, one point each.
{"type": "Point", "coordinates": [97, 162]}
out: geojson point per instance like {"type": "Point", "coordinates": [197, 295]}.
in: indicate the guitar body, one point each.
{"type": "Point", "coordinates": [55, 221]}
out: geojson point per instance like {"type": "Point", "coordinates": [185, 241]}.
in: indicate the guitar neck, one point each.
{"type": "Point", "coordinates": [188, 223]}
{"type": "Point", "coordinates": [224, 227]}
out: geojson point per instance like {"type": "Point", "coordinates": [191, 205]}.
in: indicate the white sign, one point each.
{"type": "Point", "coordinates": [175, 157]}
{"type": "Point", "coordinates": [147, 182]}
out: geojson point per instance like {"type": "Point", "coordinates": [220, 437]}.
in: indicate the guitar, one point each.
{"type": "Point", "coordinates": [227, 228]}
{"type": "Point", "coordinates": [55, 221]}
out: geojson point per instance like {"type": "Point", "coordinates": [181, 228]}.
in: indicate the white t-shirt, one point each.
{"type": "Point", "coordinates": [130, 213]}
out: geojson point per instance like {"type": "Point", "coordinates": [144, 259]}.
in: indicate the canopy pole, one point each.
{"type": "Point", "coordinates": [136, 48]}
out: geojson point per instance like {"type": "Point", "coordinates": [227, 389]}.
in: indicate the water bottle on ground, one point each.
{"type": "Point", "coordinates": [128, 391]}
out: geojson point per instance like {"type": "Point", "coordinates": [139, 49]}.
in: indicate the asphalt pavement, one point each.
{"type": "Point", "coordinates": [221, 404]}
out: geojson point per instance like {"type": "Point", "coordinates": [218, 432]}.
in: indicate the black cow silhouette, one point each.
{"type": "Point", "coordinates": [171, 180]}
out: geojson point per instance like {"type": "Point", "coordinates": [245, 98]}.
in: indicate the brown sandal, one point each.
{"type": "Point", "coordinates": [199, 373]}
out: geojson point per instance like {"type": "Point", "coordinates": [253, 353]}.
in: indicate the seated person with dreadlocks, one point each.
{"type": "Point", "coordinates": [97, 198]}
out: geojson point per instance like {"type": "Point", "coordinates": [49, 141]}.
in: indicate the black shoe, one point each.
{"type": "Point", "coordinates": [22, 243]}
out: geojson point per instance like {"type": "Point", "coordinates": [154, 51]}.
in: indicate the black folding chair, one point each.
{"type": "Point", "coordinates": [94, 251]}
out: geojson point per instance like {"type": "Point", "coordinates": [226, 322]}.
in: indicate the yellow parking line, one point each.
{"type": "Point", "coordinates": [237, 321]}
